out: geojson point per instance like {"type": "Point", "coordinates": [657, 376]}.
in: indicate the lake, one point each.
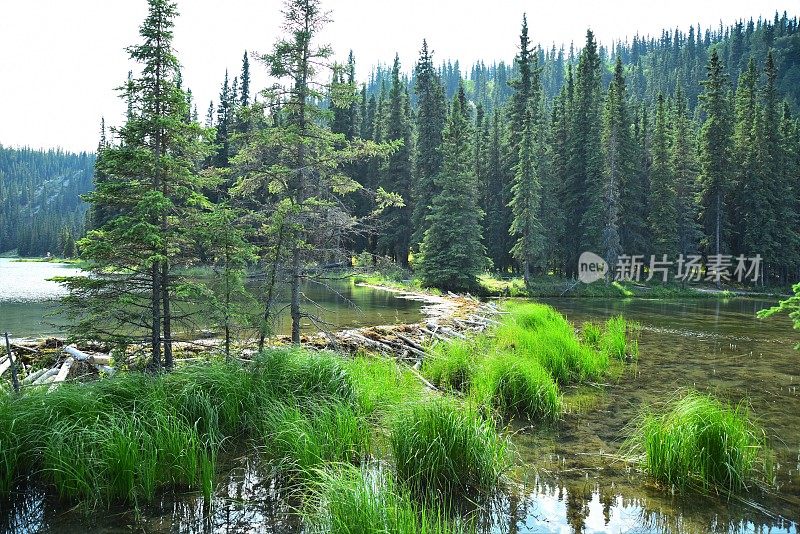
{"type": "Point", "coordinates": [569, 478]}
{"type": "Point", "coordinates": [28, 301]}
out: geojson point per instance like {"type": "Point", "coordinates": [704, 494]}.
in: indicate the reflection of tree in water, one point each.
{"type": "Point", "coordinates": [577, 503]}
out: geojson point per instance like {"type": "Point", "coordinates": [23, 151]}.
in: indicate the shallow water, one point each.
{"type": "Point", "coordinates": [578, 484]}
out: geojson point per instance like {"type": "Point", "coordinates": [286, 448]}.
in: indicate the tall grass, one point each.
{"type": "Point", "coordinates": [699, 442]}
{"type": "Point", "coordinates": [451, 365]}
{"type": "Point", "coordinates": [517, 386]}
{"type": "Point", "coordinates": [538, 331]}
{"type": "Point", "coordinates": [442, 448]}
{"type": "Point", "coordinates": [300, 439]}
{"type": "Point", "coordinates": [348, 500]}
{"type": "Point", "coordinates": [126, 437]}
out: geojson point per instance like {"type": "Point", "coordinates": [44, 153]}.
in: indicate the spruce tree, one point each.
{"type": "Point", "coordinates": [663, 203]}
{"type": "Point", "coordinates": [684, 171]}
{"type": "Point", "coordinates": [714, 155]}
{"type": "Point", "coordinates": [430, 120]}
{"type": "Point", "coordinates": [618, 171]}
{"type": "Point", "coordinates": [395, 230]}
{"type": "Point", "coordinates": [153, 191]}
{"type": "Point", "coordinates": [452, 252]}
{"type": "Point", "coordinates": [525, 205]}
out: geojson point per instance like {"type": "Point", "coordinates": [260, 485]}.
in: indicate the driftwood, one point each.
{"type": "Point", "coordinates": [99, 361]}
{"type": "Point", "coordinates": [5, 364]}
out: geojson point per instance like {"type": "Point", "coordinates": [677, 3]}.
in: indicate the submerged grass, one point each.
{"type": "Point", "coordinates": [699, 442]}
{"type": "Point", "coordinates": [442, 448]}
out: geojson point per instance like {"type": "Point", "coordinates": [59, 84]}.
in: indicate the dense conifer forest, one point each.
{"type": "Point", "coordinates": [41, 209]}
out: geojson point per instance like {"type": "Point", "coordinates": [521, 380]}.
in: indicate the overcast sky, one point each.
{"type": "Point", "coordinates": [60, 60]}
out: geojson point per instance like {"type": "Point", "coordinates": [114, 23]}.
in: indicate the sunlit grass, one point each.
{"type": "Point", "coordinates": [516, 386]}
{"type": "Point", "coordinates": [445, 449]}
{"type": "Point", "coordinates": [699, 442]}
{"type": "Point", "coordinates": [349, 500]}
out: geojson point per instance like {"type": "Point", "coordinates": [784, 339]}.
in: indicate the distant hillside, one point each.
{"type": "Point", "coordinates": [40, 198]}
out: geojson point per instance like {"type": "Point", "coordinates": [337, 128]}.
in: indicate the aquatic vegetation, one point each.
{"type": "Point", "coordinates": [699, 442]}
{"type": "Point", "coordinates": [301, 438]}
{"type": "Point", "coordinates": [444, 448]}
{"type": "Point", "coordinates": [381, 385]}
{"type": "Point", "coordinates": [591, 334]}
{"type": "Point", "coordinates": [451, 365]}
{"type": "Point", "coordinates": [349, 500]}
{"type": "Point", "coordinates": [517, 386]}
{"type": "Point", "coordinates": [613, 341]}
{"type": "Point", "coordinates": [538, 331]}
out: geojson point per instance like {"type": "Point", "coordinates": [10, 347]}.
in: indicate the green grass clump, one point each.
{"type": "Point", "coordinates": [126, 437]}
{"type": "Point", "coordinates": [614, 341]}
{"type": "Point", "coordinates": [381, 385]}
{"type": "Point", "coordinates": [299, 439]}
{"type": "Point", "coordinates": [442, 448]}
{"type": "Point", "coordinates": [517, 386]}
{"type": "Point", "coordinates": [450, 365]}
{"type": "Point", "coordinates": [539, 332]}
{"type": "Point", "coordinates": [348, 500]}
{"type": "Point", "coordinates": [591, 334]}
{"type": "Point", "coordinates": [699, 442]}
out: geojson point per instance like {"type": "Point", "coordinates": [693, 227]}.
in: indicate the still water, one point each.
{"type": "Point", "coordinates": [569, 479]}
{"type": "Point", "coordinates": [28, 302]}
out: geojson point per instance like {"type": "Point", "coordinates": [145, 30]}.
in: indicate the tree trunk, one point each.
{"type": "Point", "coordinates": [168, 361]}
{"type": "Point", "coordinates": [155, 303]}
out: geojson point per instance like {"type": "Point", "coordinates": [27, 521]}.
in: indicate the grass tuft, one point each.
{"type": "Point", "coordinates": [348, 500]}
{"type": "Point", "coordinates": [517, 386]}
{"type": "Point", "coordinates": [699, 442]}
{"type": "Point", "coordinates": [444, 449]}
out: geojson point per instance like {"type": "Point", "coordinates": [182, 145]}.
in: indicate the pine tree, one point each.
{"type": "Point", "coordinates": [715, 156]}
{"type": "Point", "coordinates": [452, 252]}
{"type": "Point", "coordinates": [430, 120]}
{"type": "Point", "coordinates": [153, 190]}
{"type": "Point", "coordinates": [396, 223]}
{"type": "Point", "coordinates": [525, 204]}
{"type": "Point", "coordinates": [663, 202]}
{"type": "Point", "coordinates": [746, 183]}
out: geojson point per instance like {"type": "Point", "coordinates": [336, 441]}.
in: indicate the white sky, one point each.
{"type": "Point", "coordinates": [60, 60]}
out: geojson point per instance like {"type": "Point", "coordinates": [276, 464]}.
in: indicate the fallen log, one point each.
{"type": "Point", "coordinates": [33, 376]}
{"type": "Point", "coordinates": [50, 373]}
{"type": "Point", "coordinates": [411, 343]}
{"type": "Point", "coordinates": [62, 373]}
{"type": "Point", "coordinates": [22, 348]}
{"type": "Point", "coordinates": [6, 363]}
{"type": "Point", "coordinates": [99, 361]}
